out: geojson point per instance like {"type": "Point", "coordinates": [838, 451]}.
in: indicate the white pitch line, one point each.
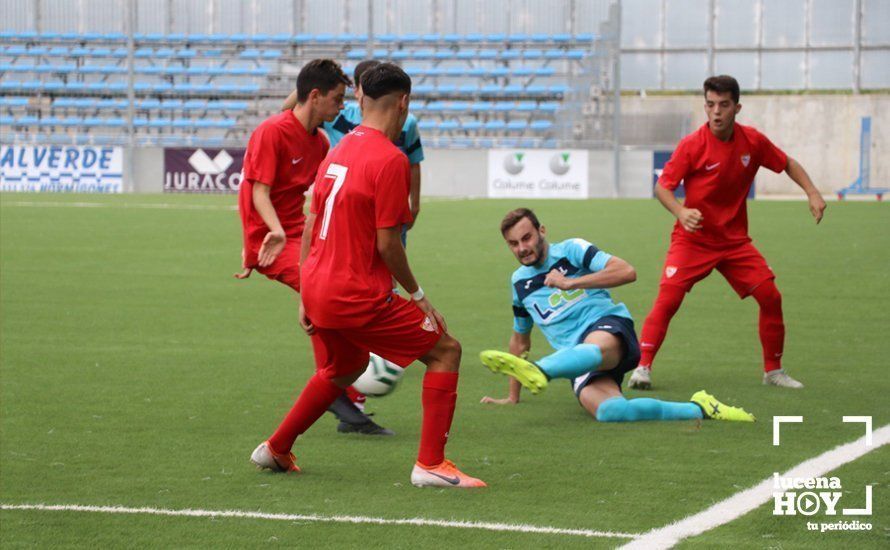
{"type": "Point", "coordinates": [746, 501]}
{"type": "Point", "coordinates": [156, 206]}
{"type": "Point", "coordinates": [507, 527]}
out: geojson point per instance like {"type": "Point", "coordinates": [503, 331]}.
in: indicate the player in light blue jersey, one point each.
{"type": "Point", "coordinates": [408, 142]}
{"type": "Point", "coordinates": [562, 288]}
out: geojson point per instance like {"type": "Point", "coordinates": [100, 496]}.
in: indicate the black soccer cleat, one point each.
{"type": "Point", "coordinates": [365, 428]}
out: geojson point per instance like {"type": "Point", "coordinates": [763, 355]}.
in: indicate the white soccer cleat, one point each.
{"type": "Point", "coordinates": [780, 378]}
{"type": "Point", "coordinates": [443, 475]}
{"type": "Point", "coordinates": [264, 458]}
{"type": "Point", "coordinates": [641, 379]}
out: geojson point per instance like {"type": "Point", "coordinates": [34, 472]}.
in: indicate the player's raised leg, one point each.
{"type": "Point", "coordinates": [432, 469]}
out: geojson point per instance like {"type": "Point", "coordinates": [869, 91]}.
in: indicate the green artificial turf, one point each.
{"type": "Point", "coordinates": [136, 371]}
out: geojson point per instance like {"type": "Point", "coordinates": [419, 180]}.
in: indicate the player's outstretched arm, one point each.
{"type": "Point", "coordinates": [690, 218]}
{"type": "Point", "coordinates": [290, 102]}
{"type": "Point", "coordinates": [520, 344]}
{"type": "Point", "coordinates": [275, 238]}
{"type": "Point", "coordinates": [797, 173]}
{"type": "Point", "coordinates": [414, 194]}
{"type": "Point", "coordinates": [616, 273]}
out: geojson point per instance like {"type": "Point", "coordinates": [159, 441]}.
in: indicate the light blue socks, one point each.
{"type": "Point", "coordinates": [572, 362]}
{"type": "Point", "coordinates": [619, 409]}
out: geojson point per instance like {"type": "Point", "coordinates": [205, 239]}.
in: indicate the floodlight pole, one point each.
{"type": "Point", "coordinates": [616, 108]}
{"type": "Point", "coordinates": [131, 95]}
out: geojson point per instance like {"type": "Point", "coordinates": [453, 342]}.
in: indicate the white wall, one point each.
{"type": "Point", "coordinates": [820, 131]}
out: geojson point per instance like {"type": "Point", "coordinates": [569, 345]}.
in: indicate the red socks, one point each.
{"type": "Point", "coordinates": [772, 329]}
{"type": "Point", "coordinates": [656, 324]}
{"type": "Point", "coordinates": [314, 400]}
{"type": "Point", "coordinates": [439, 398]}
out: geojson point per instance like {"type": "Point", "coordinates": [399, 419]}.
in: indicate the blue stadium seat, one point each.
{"type": "Point", "coordinates": [50, 121]}
{"type": "Point", "coordinates": [120, 53]}
{"type": "Point", "coordinates": [323, 38]}
{"type": "Point", "coordinates": [585, 37]}
{"type": "Point", "coordinates": [495, 125]}
{"type": "Point", "coordinates": [471, 125]}
{"type": "Point", "coordinates": [6, 120]}
{"type": "Point", "coordinates": [150, 103]}
{"type": "Point", "coordinates": [468, 89]}
{"type": "Point", "coordinates": [27, 120]}
{"type": "Point", "coordinates": [540, 37]}
{"type": "Point", "coordinates": [466, 54]}
{"type": "Point", "coordinates": [249, 53]}
{"type": "Point", "coordinates": [525, 107]}
{"type": "Point", "coordinates": [80, 51]}
{"type": "Point", "coordinates": [16, 50]}
{"type": "Point", "coordinates": [532, 54]}
{"type": "Point", "coordinates": [186, 53]}
{"type": "Point", "coordinates": [559, 89]}
{"type": "Point", "coordinates": [426, 124]}
{"type": "Point", "coordinates": [496, 37]}
{"type": "Point", "coordinates": [576, 54]}
{"type": "Point", "coordinates": [163, 52]}
{"type": "Point", "coordinates": [510, 54]}
{"type": "Point", "coordinates": [61, 51]}
{"type": "Point", "coordinates": [14, 101]}
{"type": "Point", "coordinates": [474, 37]}
{"type": "Point", "coordinates": [487, 54]}
{"type": "Point", "coordinates": [446, 89]}
{"type": "Point", "coordinates": [517, 38]}
{"type": "Point", "coordinates": [548, 107]}
{"type": "Point", "coordinates": [356, 54]}
{"type": "Point", "coordinates": [540, 125]}
{"type": "Point", "coordinates": [195, 104]}
{"type": "Point", "coordinates": [271, 54]}
{"type": "Point", "coordinates": [452, 38]}
{"type": "Point", "coordinates": [281, 37]}
{"type": "Point", "coordinates": [448, 125]}
{"type": "Point", "coordinates": [561, 38]}
{"type": "Point", "coordinates": [172, 104]}
{"type": "Point", "coordinates": [181, 123]}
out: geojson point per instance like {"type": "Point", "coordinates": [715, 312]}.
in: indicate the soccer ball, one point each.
{"type": "Point", "coordinates": [380, 378]}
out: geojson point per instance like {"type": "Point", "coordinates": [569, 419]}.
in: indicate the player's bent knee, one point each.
{"type": "Point", "coordinates": [445, 354]}
{"type": "Point", "coordinates": [767, 294]}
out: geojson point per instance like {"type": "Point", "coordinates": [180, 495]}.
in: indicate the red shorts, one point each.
{"type": "Point", "coordinates": [286, 267]}
{"type": "Point", "coordinates": [743, 266]}
{"type": "Point", "coordinates": [400, 333]}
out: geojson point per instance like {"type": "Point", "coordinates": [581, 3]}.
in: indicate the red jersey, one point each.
{"type": "Point", "coordinates": [717, 176]}
{"type": "Point", "coordinates": [283, 155]}
{"type": "Point", "coordinates": [361, 186]}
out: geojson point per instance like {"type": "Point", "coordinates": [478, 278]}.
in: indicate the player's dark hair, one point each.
{"type": "Point", "coordinates": [515, 216]}
{"type": "Point", "coordinates": [384, 79]}
{"type": "Point", "coordinates": [723, 84]}
{"type": "Point", "coordinates": [361, 68]}
{"type": "Point", "coordinates": [320, 74]}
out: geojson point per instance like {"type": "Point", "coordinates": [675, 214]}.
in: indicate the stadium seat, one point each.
{"type": "Point", "coordinates": [540, 125]}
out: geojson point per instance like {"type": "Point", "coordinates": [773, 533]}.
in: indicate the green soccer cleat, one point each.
{"type": "Point", "coordinates": [716, 410]}
{"type": "Point", "coordinates": [527, 373]}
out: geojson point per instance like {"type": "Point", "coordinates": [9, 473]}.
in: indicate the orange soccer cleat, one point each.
{"type": "Point", "coordinates": [266, 459]}
{"type": "Point", "coordinates": [445, 474]}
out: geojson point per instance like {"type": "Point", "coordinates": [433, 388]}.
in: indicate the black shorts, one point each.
{"type": "Point", "coordinates": [623, 328]}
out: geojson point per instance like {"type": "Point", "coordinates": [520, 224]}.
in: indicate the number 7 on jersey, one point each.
{"type": "Point", "coordinates": [338, 173]}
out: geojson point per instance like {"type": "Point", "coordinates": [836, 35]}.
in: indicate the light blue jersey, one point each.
{"type": "Point", "coordinates": [562, 315]}
{"type": "Point", "coordinates": [351, 116]}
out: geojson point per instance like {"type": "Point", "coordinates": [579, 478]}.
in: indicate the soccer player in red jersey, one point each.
{"type": "Point", "coordinates": [280, 164]}
{"type": "Point", "coordinates": [352, 249]}
{"type": "Point", "coordinates": [282, 157]}
{"type": "Point", "coordinates": [717, 164]}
